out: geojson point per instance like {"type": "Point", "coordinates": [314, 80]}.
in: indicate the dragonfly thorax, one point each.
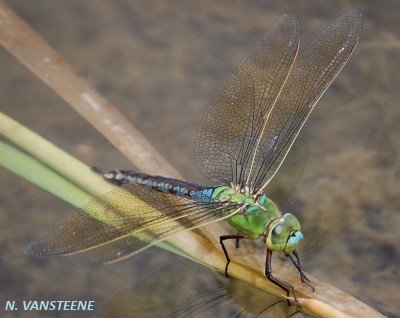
{"type": "Point", "coordinates": [254, 212]}
{"type": "Point", "coordinates": [260, 217]}
{"type": "Point", "coordinates": [241, 196]}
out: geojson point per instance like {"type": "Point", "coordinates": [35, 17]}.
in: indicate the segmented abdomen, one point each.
{"type": "Point", "coordinates": [158, 183]}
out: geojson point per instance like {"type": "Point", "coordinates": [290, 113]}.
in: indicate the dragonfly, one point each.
{"type": "Point", "coordinates": [245, 135]}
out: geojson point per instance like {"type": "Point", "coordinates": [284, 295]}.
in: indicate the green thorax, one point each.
{"type": "Point", "coordinates": [256, 216]}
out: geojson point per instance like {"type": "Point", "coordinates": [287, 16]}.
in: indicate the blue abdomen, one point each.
{"type": "Point", "coordinates": [158, 183]}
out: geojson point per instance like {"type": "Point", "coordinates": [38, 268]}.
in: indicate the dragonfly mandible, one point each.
{"type": "Point", "coordinates": [243, 139]}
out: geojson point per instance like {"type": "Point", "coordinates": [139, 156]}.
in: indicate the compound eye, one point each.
{"type": "Point", "coordinates": [292, 222]}
{"type": "Point", "coordinates": [278, 237]}
{"type": "Point", "coordinates": [277, 230]}
{"type": "Point", "coordinates": [293, 242]}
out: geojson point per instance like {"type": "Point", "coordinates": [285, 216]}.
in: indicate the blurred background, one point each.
{"type": "Point", "coordinates": [160, 63]}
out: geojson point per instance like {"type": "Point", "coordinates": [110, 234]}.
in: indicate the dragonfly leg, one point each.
{"type": "Point", "coordinates": [237, 244]}
{"type": "Point", "coordinates": [276, 280]}
{"type": "Point", "coordinates": [222, 238]}
{"type": "Point", "coordinates": [303, 276]}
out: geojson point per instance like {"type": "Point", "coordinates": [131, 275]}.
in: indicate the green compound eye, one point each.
{"type": "Point", "coordinates": [292, 222]}
{"type": "Point", "coordinates": [285, 235]}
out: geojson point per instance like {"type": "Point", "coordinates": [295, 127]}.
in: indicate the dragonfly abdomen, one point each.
{"type": "Point", "coordinates": [158, 183]}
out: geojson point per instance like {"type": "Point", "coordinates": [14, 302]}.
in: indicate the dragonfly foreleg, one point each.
{"type": "Point", "coordinates": [237, 243]}
{"type": "Point", "coordinates": [303, 276]}
{"type": "Point", "coordinates": [276, 280]}
{"type": "Point", "coordinates": [222, 238]}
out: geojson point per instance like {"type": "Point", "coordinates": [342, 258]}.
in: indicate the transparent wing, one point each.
{"type": "Point", "coordinates": [117, 224]}
{"type": "Point", "coordinates": [232, 124]}
{"type": "Point", "coordinates": [311, 75]}
{"type": "Point", "coordinates": [245, 134]}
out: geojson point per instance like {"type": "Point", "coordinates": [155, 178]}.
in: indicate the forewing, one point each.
{"type": "Point", "coordinates": [125, 221]}
{"type": "Point", "coordinates": [234, 120]}
{"type": "Point", "coordinates": [312, 73]}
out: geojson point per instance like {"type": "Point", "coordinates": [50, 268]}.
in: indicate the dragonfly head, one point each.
{"type": "Point", "coordinates": [285, 234]}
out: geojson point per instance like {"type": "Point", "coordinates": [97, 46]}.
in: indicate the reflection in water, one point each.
{"type": "Point", "coordinates": [187, 289]}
